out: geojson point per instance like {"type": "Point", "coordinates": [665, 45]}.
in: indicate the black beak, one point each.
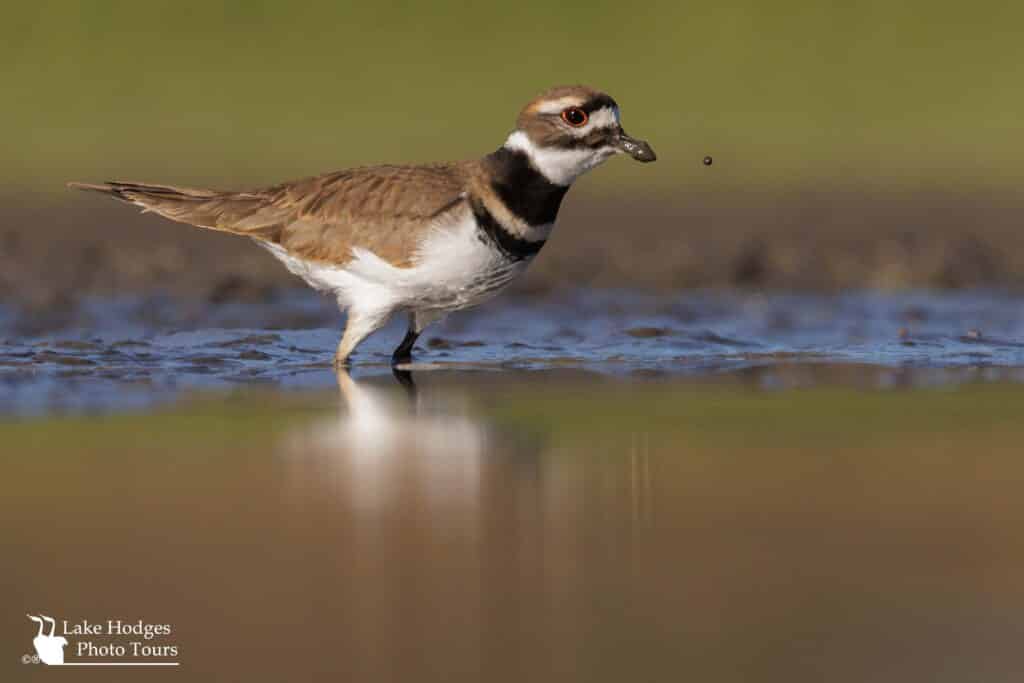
{"type": "Point", "coordinates": [638, 149]}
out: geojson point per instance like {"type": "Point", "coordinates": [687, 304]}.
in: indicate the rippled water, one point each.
{"type": "Point", "coordinates": [131, 352]}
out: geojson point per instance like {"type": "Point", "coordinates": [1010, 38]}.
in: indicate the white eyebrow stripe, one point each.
{"type": "Point", "coordinates": [556, 106]}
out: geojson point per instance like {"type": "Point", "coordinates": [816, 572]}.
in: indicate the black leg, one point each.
{"type": "Point", "coordinates": [403, 354]}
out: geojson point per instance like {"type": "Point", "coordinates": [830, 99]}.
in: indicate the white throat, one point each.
{"type": "Point", "coordinates": [560, 166]}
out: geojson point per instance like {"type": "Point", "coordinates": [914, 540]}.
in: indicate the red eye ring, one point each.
{"type": "Point", "coordinates": [575, 117]}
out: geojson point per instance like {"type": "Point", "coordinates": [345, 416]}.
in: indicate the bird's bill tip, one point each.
{"type": "Point", "coordinates": [638, 149]}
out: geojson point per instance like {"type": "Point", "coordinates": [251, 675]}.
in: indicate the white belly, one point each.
{"type": "Point", "coordinates": [453, 269]}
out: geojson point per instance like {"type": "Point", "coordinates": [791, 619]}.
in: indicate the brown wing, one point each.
{"type": "Point", "coordinates": [385, 209]}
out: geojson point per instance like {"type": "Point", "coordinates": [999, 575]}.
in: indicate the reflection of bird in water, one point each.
{"type": "Point", "coordinates": [376, 421]}
{"type": "Point", "coordinates": [386, 444]}
{"type": "Point", "coordinates": [50, 648]}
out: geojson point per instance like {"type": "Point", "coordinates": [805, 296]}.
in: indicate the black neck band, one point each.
{"type": "Point", "coordinates": [524, 189]}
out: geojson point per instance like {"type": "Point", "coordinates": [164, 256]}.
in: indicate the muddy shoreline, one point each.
{"type": "Point", "coordinates": [55, 253]}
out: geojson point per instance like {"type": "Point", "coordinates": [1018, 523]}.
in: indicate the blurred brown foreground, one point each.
{"type": "Point", "coordinates": [539, 527]}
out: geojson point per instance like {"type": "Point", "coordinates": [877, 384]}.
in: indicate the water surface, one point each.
{"type": "Point", "coordinates": [130, 353]}
{"type": "Point", "coordinates": [552, 525]}
{"type": "Point", "coordinates": [601, 488]}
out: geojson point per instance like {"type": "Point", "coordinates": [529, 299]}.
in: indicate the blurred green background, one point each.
{"type": "Point", "coordinates": [788, 94]}
{"type": "Point", "coordinates": [863, 145]}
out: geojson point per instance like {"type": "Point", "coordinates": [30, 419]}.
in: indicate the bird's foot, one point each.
{"type": "Point", "coordinates": [400, 359]}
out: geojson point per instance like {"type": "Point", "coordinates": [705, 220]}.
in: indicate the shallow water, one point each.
{"type": "Point", "coordinates": [603, 487]}
{"type": "Point", "coordinates": [131, 353]}
{"type": "Point", "coordinates": [550, 525]}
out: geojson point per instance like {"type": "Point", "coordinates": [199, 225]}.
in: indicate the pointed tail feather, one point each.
{"type": "Point", "coordinates": [237, 212]}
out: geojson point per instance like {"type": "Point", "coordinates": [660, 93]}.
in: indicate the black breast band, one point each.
{"type": "Point", "coordinates": [492, 232]}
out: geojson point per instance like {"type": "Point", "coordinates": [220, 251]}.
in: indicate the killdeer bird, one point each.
{"type": "Point", "coordinates": [424, 240]}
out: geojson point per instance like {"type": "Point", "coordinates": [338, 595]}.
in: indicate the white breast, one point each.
{"type": "Point", "coordinates": [454, 268]}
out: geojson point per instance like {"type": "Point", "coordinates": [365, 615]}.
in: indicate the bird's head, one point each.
{"type": "Point", "coordinates": [568, 130]}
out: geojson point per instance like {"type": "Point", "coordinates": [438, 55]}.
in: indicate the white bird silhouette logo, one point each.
{"type": "Point", "coordinates": [50, 648]}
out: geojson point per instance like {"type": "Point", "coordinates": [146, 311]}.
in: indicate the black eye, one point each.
{"type": "Point", "coordinates": [574, 116]}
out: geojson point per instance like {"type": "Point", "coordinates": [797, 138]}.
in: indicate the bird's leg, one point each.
{"type": "Point", "coordinates": [403, 354]}
{"type": "Point", "coordinates": [418, 321]}
{"type": "Point", "coordinates": [361, 324]}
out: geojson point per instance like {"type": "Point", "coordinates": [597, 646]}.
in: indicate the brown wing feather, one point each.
{"type": "Point", "coordinates": [385, 209]}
